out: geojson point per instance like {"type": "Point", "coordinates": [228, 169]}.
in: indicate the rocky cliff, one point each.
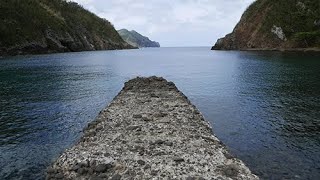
{"type": "Point", "coordinates": [48, 26]}
{"type": "Point", "coordinates": [276, 25]}
{"type": "Point", "coordinates": [135, 39]}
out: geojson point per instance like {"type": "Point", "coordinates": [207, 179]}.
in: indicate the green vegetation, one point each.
{"type": "Point", "coordinates": [295, 17]}
{"type": "Point", "coordinates": [255, 9]}
{"type": "Point", "coordinates": [25, 21]}
{"type": "Point", "coordinates": [308, 38]}
{"type": "Point", "coordinates": [276, 24]}
{"type": "Point", "coordinates": [135, 39]}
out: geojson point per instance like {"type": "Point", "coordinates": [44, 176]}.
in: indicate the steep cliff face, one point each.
{"type": "Point", "coordinates": [274, 24]}
{"type": "Point", "coordinates": [135, 39]}
{"type": "Point", "coordinates": [48, 26]}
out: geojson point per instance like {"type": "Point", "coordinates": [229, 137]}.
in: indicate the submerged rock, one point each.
{"type": "Point", "coordinates": [179, 144]}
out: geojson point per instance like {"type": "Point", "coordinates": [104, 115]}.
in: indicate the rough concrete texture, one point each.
{"type": "Point", "coordinates": [149, 131]}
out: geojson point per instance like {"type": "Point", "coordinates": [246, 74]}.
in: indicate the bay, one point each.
{"type": "Point", "coordinates": [265, 106]}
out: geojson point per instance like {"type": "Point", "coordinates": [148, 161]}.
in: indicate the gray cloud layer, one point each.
{"type": "Point", "coordinates": [172, 22]}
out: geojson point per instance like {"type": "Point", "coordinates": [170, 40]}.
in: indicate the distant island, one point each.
{"type": "Point", "coordinates": [135, 39]}
{"type": "Point", "coordinates": [49, 26]}
{"type": "Point", "coordinates": [276, 25]}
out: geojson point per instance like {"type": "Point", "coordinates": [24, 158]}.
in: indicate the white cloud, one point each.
{"type": "Point", "coordinates": [172, 23]}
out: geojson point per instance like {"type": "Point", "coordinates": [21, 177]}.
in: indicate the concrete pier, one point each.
{"type": "Point", "coordinates": [149, 131]}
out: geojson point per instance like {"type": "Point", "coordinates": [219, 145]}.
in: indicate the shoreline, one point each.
{"type": "Point", "coordinates": [24, 53]}
{"type": "Point", "coordinates": [48, 53]}
{"type": "Point", "coordinates": [149, 131]}
{"type": "Point", "coordinates": [306, 50]}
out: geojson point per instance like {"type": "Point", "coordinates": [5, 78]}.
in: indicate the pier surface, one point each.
{"type": "Point", "coordinates": [149, 131]}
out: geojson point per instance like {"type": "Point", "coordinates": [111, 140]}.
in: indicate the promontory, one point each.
{"type": "Point", "coordinates": [136, 39]}
{"type": "Point", "coordinates": [276, 25]}
{"type": "Point", "coordinates": [49, 26]}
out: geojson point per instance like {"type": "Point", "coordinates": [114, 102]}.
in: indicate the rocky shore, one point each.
{"type": "Point", "coordinates": [149, 131]}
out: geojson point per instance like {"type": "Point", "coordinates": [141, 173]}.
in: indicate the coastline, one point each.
{"type": "Point", "coordinates": [149, 131]}
{"type": "Point", "coordinates": [312, 50]}
{"type": "Point", "coordinates": [286, 50]}
{"type": "Point", "coordinates": [4, 54]}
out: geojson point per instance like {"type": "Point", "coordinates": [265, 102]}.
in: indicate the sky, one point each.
{"type": "Point", "coordinates": [173, 23]}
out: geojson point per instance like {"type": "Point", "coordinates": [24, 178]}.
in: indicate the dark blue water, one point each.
{"type": "Point", "coordinates": [264, 106]}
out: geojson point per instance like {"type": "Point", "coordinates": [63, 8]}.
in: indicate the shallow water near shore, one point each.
{"type": "Point", "coordinates": [263, 105]}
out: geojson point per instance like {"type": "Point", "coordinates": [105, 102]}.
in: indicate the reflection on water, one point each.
{"type": "Point", "coordinates": [280, 98]}
{"type": "Point", "coordinates": [263, 106]}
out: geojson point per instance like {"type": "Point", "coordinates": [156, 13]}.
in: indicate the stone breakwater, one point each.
{"type": "Point", "coordinates": [149, 131]}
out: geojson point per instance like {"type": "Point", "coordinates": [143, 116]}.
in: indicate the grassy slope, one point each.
{"type": "Point", "coordinates": [295, 17]}
{"type": "Point", "coordinates": [136, 39]}
{"type": "Point", "coordinates": [26, 20]}
{"type": "Point", "coordinates": [127, 36]}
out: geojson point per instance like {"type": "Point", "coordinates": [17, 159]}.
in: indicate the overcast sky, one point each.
{"type": "Point", "coordinates": [172, 22]}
